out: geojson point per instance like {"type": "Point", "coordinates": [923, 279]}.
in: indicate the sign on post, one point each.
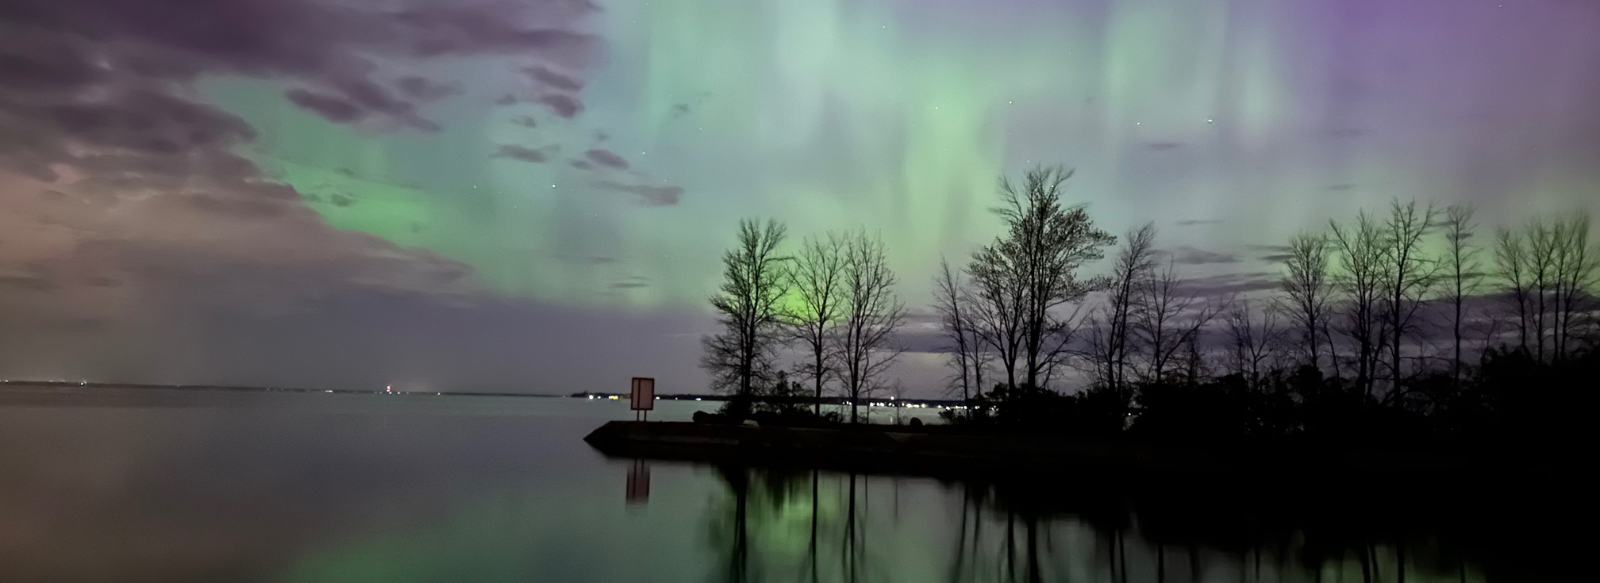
{"type": "Point", "coordinates": [643, 395]}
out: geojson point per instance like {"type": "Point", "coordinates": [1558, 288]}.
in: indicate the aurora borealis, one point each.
{"type": "Point", "coordinates": [517, 194]}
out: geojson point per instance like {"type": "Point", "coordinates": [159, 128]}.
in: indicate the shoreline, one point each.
{"type": "Point", "coordinates": [938, 452]}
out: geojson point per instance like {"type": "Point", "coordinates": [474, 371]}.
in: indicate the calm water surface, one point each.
{"type": "Point", "coordinates": [140, 486]}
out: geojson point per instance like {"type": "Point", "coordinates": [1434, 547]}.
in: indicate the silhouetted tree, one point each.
{"type": "Point", "coordinates": [1511, 266]}
{"type": "Point", "coordinates": [865, 341]}
{"type": "Point", "coordinates": [1461, 266]}
{"type": "Point", "coordinates": [1408, 275]}
{"type": "Point", "coordinates": [1165, 318]}
{"type": "Point", "coordinates": [1359, 250]}
{"type": "Point", "coordinates": [955, 319]}
{"type": "Point", "coordinates": [1577, 267]}
{"type": "Point", "coordinates": [749, 309]}
{"type": "Point", "coordinates": [1252, 340]}
{"type": "Point", "coordinates": [1032, 269]}
{"type": "Point", "coordinates": [1135, 262]}
{"type": "Point", "coordinates": [816, 278]}
{"type": "Point", "coordinates": [1307, 286]}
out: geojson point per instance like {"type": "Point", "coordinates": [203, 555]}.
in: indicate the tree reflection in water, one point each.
{"type": "Point", "coordinates": [807, 525]}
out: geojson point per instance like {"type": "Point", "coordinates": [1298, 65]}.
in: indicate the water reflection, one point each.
{"type": "Point", "coordinates": [786, 525]}
{"type": "Point", "coordinates": [141, 487]}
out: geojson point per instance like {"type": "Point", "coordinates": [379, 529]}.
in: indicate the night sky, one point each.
{"type": "Point", "coordinates": [532, 195]}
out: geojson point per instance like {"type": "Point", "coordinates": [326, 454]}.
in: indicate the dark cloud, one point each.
{"type": "Point", "coordinates": [1194, 222]}
{"type": "Point", "coordinates": [341, 200]}
{"type": "Point", "coordinates": [547, 77]}
{"type": "Point", "coordinates": [526, 121]}
{"type": "Point", "coordinates": [425, 89]}
{"type": "Point", "coordinates": [649, 195]}
{"type": "Point", "coordinates": [507, 99]}
{"type": "Point", "coordinates": [581, 164]}
{"type": "Point", "coordinates": [68, 44]}
{"type": "Point", "coordinates": [1163, 146]}
{"type": "Point", "coordinates": [606, 158]}
{"type": "Point", "coordinates": [562, 104]}
{"type": "Point", "coordinates": [1270, 253]}
{"type": "Point", "coordinates": [601, 136]}
{"type": "Point", "coordinates": [1223, 286]}
{"type": "Point", "coordinates": [679, 110]}
{"type": "Point", "coordinates": [27, 282]}
{"type": "Point", "coordinates": [630, 285]}
{"type": "Point", "coordinates": [1187, 255]}
{"type": "Point", "coordinates": [524, 153]}
{"type": "Point", "coordinates": [125, 195]}
{"type": "Point", "coordinates": [331, 107]}
{"type": "Point", "coordinates": [1341, 187]}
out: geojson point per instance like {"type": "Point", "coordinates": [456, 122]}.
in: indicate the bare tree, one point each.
{"type": "Point", "coordinates": [1135, 262]}
{"type": "Point", "coordinates": [749, 309]}
{"type": "Point", "coordinates": [1308, 285]}
{"type": "Point", "coordinates": [866, 342]}
{"type": "Point", "coordinates": [1408, 275]}
{"type": "Point", "coordinates": [1511, 267]}
{"type": "Point", "coordinates": [1166, 317]}
{"type": "Point", "coordinates": [1548, 270]}
{"type": "Point", "coordinates": [1461, 266]}
{"type": "Point", "coordinates": [955, 319]}
{"type": "Point", "coordinates": [1577, 269]}
{"type": "Point", "coordinates": [1253, 340]}
{"type": "Point", "coordinates": [816, 277]}
{"type": "Point", "coordinates": [1542, 247]}
{"type": "Point", "coordinates": [1032, 270]}
{"type": "Point", "coordinates": [1358, 250]}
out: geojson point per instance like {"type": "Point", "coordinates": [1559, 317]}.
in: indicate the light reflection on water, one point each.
{"type": "Point", "coordinates": [168, 486]}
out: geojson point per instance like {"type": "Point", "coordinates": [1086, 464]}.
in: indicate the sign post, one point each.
{"type": "Point", "coordinates": [642, 398]}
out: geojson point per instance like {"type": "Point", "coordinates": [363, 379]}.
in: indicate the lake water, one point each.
{"type": "Point", "coordinates": [147, 486]}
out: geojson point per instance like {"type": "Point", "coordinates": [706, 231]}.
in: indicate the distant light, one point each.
{"type": "Point", "coordinates": [1208, 121]}
{"type": "Point", "coordinates": [697, 398]}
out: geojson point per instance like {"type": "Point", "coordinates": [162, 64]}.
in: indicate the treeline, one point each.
{"type": "Point", "coordinates": [1415, 321]}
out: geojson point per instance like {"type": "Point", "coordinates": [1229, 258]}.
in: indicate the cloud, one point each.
{"type": "Point", "coordinates": [606, 158]}
{"type": "Point", "coordinates": [526, 121]}
{"type": "Point", "coordinates": [1187, 255]}
{"type": "Point", "coordinates": [1227, 285]}
{"type": "Point", "coordinates": [649, 195]}
{"type": "Point", "coordinates": [547, 77]}
{"type": "Point", "coordinates": [562, 104]}
{"type": "Point", "coordinates": [423, 89]}
{"type": "Point", "coordinates": [332, 48]}
{"type": "Point", "coordinates": [581, 164]}
{"type": "Point", "coordinates": [122, 192]}
{"type": "Point", "coordinates": [507, 99]}
{"type": "Point", "coordinates": [679, 110]}
{"type": "Point", "coordinates": [526, 154]}
{"type": "Point", "coordinates": [1194, 222]}
{"type": "Point", "coordinates": [331, 107]}
{"type": "Point", "coordinates": [1341, 187]}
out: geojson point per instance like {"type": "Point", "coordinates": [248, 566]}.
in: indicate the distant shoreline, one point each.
{"type": "Point", "coordinates": [243, 389]}
{"type": "Point", "coordinates": [832, 401]}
